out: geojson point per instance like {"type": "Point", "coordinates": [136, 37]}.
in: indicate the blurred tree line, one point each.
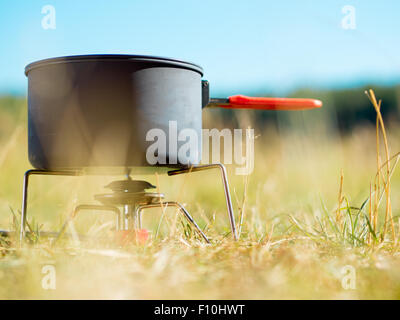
{"type": "Point", "coordinates": [351, 107]}
{"type": "Point", "coordinates": [343, 110]}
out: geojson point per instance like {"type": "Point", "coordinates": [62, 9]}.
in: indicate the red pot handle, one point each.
{"type": "Point", "coordinates": [258, 103]}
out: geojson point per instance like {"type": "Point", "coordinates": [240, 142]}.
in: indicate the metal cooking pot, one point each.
{"type": "Point", "coordinates": [96, 111]}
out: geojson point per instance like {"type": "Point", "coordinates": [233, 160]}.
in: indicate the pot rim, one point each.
{"type": "Point", "coordinates": [114, 57]}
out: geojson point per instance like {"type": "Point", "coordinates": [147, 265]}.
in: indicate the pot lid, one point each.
{"type": "Point", "coordinates": [115, 57]}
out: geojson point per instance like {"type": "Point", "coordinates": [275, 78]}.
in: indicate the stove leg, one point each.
{"type": "Point", "coordinates": [24, 209]}
{"type": "Point", "coordinates": [90, 207]}
{"type": "Point", "coordinates": [225, 184]}
{"type": "Point", "coordinates": [172, 204]}
{"type": "Point", "coordinates": [24, 205]}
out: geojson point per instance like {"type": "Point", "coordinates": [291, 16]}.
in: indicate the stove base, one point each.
{"type": "Point", "coordinates": [131, 217]}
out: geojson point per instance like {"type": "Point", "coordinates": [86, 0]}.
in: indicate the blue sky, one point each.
{"type": "Point", "coordinates": [243, 46]}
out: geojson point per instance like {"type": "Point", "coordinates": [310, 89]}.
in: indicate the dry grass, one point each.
{"type": "Point", "coordinates": [380, 124]}
{"type": "Point", "coordinates": [297, 233]}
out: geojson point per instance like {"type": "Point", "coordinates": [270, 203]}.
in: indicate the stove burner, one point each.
{"type": "Point", "coordinates": [129, 185]}
{"type": "Point", "coordinates": [129, 198]}
{"type": "Point", "coordinates": [132, 197]}
{"type": "Point", "coordinates": [129, 192]}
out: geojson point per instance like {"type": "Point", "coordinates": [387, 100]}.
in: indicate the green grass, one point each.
{"type": "Point", "coordinates": [291, 245]}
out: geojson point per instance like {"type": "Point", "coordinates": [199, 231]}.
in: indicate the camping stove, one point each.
{"type": "Point", "coordinates": [128, 199]}
{"type": "Point", "coordinates": [96, 111]}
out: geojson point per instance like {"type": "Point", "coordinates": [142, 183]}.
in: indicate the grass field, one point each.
{"type": "Point", "coordinates": [296, 241]}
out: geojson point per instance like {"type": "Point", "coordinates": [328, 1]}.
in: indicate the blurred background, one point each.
{"type": "Point", "coordinates": [330, 50]}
